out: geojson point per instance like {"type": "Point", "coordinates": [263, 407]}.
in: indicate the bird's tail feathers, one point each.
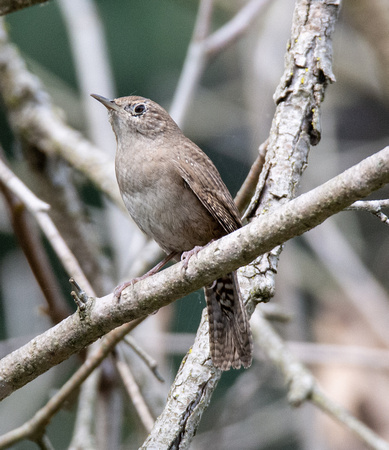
{"type": "Point", "coordinates": [230, 336]}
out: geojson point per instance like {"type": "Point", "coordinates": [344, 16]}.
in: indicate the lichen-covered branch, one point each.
{"type": "Point", "coordinates": [296, 126]}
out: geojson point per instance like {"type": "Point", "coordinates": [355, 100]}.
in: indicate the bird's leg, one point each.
{"type": "Point", "coordinates": [117, 292]}
{"type": "Point", "coordinates": [185, 257]}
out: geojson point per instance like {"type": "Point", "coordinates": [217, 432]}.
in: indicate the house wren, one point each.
{"type": "Point", "coordinates": [175, 194]}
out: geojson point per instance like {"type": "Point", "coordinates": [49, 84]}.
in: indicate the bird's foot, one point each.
{"type": "Point", "coordinates": [117, 292]}
{"type": "Point", "coordinates": [185, 257]}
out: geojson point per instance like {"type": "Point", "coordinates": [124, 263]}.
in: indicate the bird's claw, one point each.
{"type": "Point", "coordinates": [185, 257]}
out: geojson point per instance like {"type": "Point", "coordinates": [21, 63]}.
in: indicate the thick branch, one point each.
{"type": "Point", "coordinates": [225, 255]}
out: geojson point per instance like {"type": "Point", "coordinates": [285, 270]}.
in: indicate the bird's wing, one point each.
{"type": "Point", "coordinates": [202, 177]}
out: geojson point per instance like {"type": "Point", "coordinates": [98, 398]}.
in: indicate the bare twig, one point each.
{"type": "Point", "coordinates": [369, 205]}
{"type": "Point", "coordinates": [194, 64]}
{"type": "Point", "coordinates": [203, 46]}
{"type": "Point", "coordinates": [354, 278]}
{"type": "Point", "coordinates": [83, 434]}
{"type": "Point", "coordinates": [93, 70]}
{"type": "Point", "coordinates": [359, 429]}
{"type": "Point", "coordinates": [343, 355]}
{"type": "Point", "coordinates": [134, 392]}
{"type": "Point", "coordinates": [39, 211]}
{"type": "Point", "coordinates": [372, 206]}
{"type": "Point", "coordinates": [235, 28]}
{"type": "Point", "coordinates": [32, 115]}
{"type": "Point", "coordinates": [30, 200]}
{"type": "Point", "coordinates": [311, 353]}
{"type": "Point", "coordinates": [44, 443]}
{"type": "Point", "coordinates": [9, 6]}
{"type": "Point", "coordinates": [148, 360]}
{"type": "Point", "coordinates": [302, 385]}
{"type": "Point", "coordinates": [43, 416]}
{"type": "Point", "coordinates": [30, 241]}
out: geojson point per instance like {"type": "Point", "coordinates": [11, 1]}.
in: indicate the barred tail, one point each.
{"type": "Point", "coordinates": [230, 336]}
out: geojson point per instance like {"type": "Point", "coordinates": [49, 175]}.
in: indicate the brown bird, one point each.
{"type": "Point", "coordinates": [175, 194]}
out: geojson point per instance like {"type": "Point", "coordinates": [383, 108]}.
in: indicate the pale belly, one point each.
{"type": "Point", "coordinates": [174, 218]}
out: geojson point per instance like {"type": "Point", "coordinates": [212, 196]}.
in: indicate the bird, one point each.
{"type": "Point", "coordinates": [176, 196]}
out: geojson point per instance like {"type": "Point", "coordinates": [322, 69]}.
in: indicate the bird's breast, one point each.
{"type": "Point", "coordinates": [164, 207]}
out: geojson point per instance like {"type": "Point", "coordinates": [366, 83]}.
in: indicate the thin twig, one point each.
{"type": "Point", "coordinates": [30, 241]}
{"type": "Point", "coordinates": [194, 64]}
{"type": "Point", "coordinates": [302, 385]}
{"type": "Point", "coordinates": [14, 184]}
{"type": "Point", "coordinates": [369, 205]}
{"type": "Point", "coordinates": [39, 211]}
{"type": "Point", "coordinates": [354, 278]}
{"type": "Point", "coordinates": [134, 392]}
{"type": "Point", "coordinates": [33, 116]}
{"type": "Point", "coordinates": [342, 355]}
{"type": "Point", "coordinates": [83, 433]}
{"type": "Point", "coordinates": [93, 70]}
{"type": "Point", "coordinates": [43, 416]}
{"type": "Point", "coordinates": [9, 6]}
{"type": "Point", "coordinates": [150, 362]}
{"type": "Point", "coordinates": [235, 28]}
{"type": "Point", "coordinates": [202, 46]}
{"type": "Point", "coordinates": [337, 412]}
{"type": "Point", "coordinates": [372, 206]}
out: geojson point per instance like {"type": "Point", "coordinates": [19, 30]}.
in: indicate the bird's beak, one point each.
{"type": "Point", "coordinates": [109, 104]}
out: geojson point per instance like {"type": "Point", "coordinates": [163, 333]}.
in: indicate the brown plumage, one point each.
{"type": "Point", "coordinates": [175, 194]}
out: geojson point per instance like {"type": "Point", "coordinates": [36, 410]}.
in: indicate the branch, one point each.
{"type": "Point", "coordinates": [39, 211]}
{"type": "Point", "coordinates": [134, 391]}
{"type": "Point", "coordinates": [40, 420]}
{"type": "Point", "coordinates": [360, 430]}
{"type": "Point", "coordinates": [9, 6]}
{"type": "Point", "coordinates": [202, 46]}
{"type": "Point", "coordinates": [295, 127]}
{"type": "Point", "coordinates": [372, 206]}
{"type": "Point", "coordinates": [235, 28]}
{"type": "Point", "coordinates": [302, 385]}
{"type": "Point", "coordinates": [369, 358]}
{"type": "Point", "coordinates": [32, 116]}
{"type": "Point", "coordinates": [146, 358]}
{"type": "Point", "coordinates": [193, 65]}
{"type": "Point", "coordinates": [222, 256]}
{"type": "Point", "coordinates": [31, 243]}
{"type": "Point", "coordinates": [83, 432]}
{"type": "Point", "coordinates": [353, 277]}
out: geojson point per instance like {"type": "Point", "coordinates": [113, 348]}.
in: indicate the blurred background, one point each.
{"type": "Point", "coordinates": [333, 281]}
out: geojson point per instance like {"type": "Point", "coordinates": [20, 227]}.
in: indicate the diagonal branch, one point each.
{"type": "Point", "coordinates": [42, 417]}
{"type": "Point", "coordinates": [203, 46]}
{"type": "Point", "coordinates": [222, 256]}
{"type": "Point", "coordinates": [32, 115]}
{"type": "Point", "coordinates": [39, 211]}
{"type": "Point", "coordinates": [9, 6]}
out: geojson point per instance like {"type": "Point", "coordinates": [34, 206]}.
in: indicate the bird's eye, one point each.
{"type": "Point", "coordinates": [139, 109]}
